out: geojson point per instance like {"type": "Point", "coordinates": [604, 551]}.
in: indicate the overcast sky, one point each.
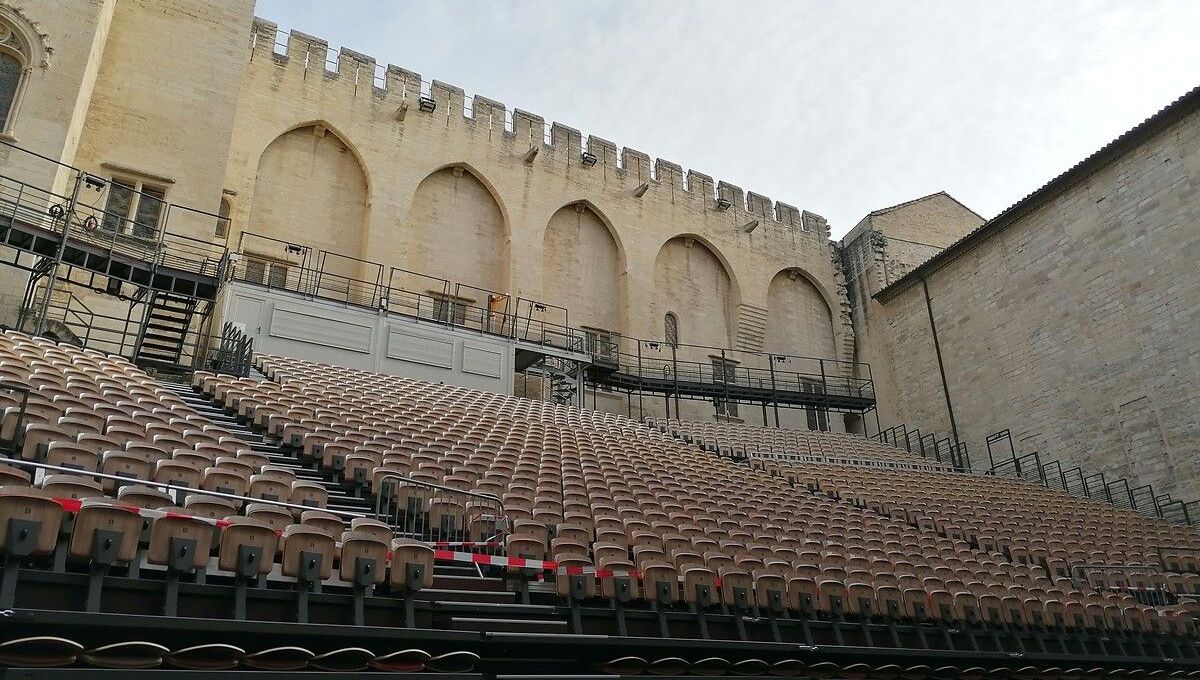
{"type": "Point", "coordinates": [835, 107]}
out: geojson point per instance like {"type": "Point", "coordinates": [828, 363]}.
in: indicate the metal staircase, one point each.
{"type": "Point", "coordinates": [563, 375]}
{"type": "Point", "coordinates": [164, 333]}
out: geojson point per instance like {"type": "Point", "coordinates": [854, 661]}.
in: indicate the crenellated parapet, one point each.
{"type": "Point", "coordinates": [406, 93]}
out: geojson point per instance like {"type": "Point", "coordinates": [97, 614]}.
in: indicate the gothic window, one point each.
{"type": "Point", "coordinates": [14, 68]}
{"type": "Point", "coordinates": [223, 219]}
{"type": "Point", "coordinates": [671, 324]}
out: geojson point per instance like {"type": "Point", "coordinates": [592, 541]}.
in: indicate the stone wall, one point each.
{"type": "Point", "coordinates": [1077, 326]}
{"type": "Point", "coordinates": [473, 194]}
{"type": "Point", "coordinates": [881, 248]}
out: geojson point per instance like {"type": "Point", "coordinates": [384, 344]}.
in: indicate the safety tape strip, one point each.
{"type": "Point", "coordinates": [598, 573]}
{"type": "Point", "coordinates": [73, 505]}
{"type": "Point", "coordinates": [467, 544]}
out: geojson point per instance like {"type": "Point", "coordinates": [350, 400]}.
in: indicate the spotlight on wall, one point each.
{"type": "Point", "coordinates": [652, 345]}
{"type": "Point", "coordinates": [723, 204]}
{"type": "Point", "coordinates": [588, 159]}
{"type": "Point", "coordinates": [779, 359]}
{"type": "Point", "coordinates": [93, 182]}
{"type": "Point", "coordinates": [293, 249]}
{"type": "Point", "coordinates": [750, 226]}
{"type": "Point", "coordinates": [641, 190]}
{"type": "Point", "coordinates": [539, 307]}
{"type": "Point", "coordinates": [426, 104]}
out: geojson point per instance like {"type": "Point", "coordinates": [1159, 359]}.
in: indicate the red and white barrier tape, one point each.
{"type": "Point", "coordinates": [465, 544]}
{"type": "Point", "coordinates": [598, 573]}
{"type": "Point", "coordinates": [73, 505]}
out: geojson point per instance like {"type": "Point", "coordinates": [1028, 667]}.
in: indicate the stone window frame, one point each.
{"type": "Point", "coordinates": [24, 40]}
{"type": "Point", "coordinates": [141, 189]}
{"type": "Point", "coordinates": [671, 329]}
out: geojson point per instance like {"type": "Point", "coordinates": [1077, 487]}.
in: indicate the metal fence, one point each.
{"type": "Point", "coordinates": [439, 514]}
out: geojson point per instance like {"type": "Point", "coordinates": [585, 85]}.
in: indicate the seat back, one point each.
{"type": "Point", "coordinates": [248, 531]}
{"type": "Point", "coordinates": [106, 532]}
{"type": "Point", "coordinates": [19, 505]}
{"type": "Point", "coordinates": [412, 564]}
{"type": "Point", "coordinates": [372, 569]}
{"type": "Point", "coordinates": [181, 542]}
{"type": "Point", "coordinates": [307, 552]}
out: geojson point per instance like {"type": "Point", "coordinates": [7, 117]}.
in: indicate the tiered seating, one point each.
{"type": "Point", "coordinates": [636, 523]}
{"type": "Point", "coordinates": [590, 489]}
{"type": "Point", "coordinates": [88, 413]}
{"type": "Point", "coordinates": [1030, 524]}
{"type": "Point", "coordinates": [735, 439]}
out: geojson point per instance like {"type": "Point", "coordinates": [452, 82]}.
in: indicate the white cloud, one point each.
{"type": "Point", "coordinates": [838, 108]}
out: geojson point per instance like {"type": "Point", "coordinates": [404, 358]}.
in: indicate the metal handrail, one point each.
{"type": "Point", "coordinates": [398, 477]}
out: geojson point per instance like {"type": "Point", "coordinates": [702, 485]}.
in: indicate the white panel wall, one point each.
{"type": "Point", "coordinates": [319, 330]}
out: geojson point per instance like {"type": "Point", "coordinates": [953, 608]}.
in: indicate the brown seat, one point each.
{"type": "Point", "coordinates": [372, 527]}
{"type": "Point", "coordinates": [247, 532]}
{"type": "Point", "coordinates": [661, 583]}
{"type": "Point", "coordinates": [31, 511]}
{"type": "Point", "coordinates": [104, 533]}
{"type": "Point", "coordinates": [308, 493]}
{"type": "Point", "coordinates": [179, 542]}
{"type": "Point", "coordinates": [325, 521]}
{"type": "Point", "coordinates": [145, 496]}
{"type": "Point", "coordinates": [11, 475]}
{"type": "Point", "coordinates": [363, 559]}
{"type": "Point", "coordinates": [411, 564]}
{"type": "Point", "coordinates": [72, 486]}
{"type": "Point", "coordinates": [308, 553]}
{"type": "Point", "coordinates": [276, 516]}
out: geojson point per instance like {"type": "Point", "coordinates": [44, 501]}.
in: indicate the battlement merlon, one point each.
{"type": "Point", "coordinates": [403, 86]}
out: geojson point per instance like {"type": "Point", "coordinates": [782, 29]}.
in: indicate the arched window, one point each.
{"type": "Point", "coordinates": [223, 219]}
{"type": "Point", "coordinates": [14, 67]}
{"type": "Point", "coordinates": [671, 326]}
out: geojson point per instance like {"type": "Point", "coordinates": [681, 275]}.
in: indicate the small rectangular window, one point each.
{"type": "Point", "coordinates": [599, 343]}
{"type": "Point", "coordinates": [450, 311]}
{"type": "Point", "coordinates": [149, 212]}
{"type": "Point", "coordinates": [278, 275]}
{"type": "Point", "coordinates": [117, 206]}
{"type": "Point", "coordinates": [256, 271]}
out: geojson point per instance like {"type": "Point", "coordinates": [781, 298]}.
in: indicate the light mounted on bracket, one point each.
{"type": "Point", "coordinates": [294, 249]}
{"type": "Point", "coordinates": [652, 344]}
{"type": "Point", "coordinates": [588, 159]}
{"type": "Point", "coordinates": [539, 307]}
{"type": "Point", "coordinates": [94, 182]}
{"type": "Point", "coordinates": [426, 104]}
{"type": "Point", "coordinates": [723, 204]}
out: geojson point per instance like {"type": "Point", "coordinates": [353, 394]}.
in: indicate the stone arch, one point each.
{"type": "Point", "coordinates": [22, 45]}
{"type": "Point", "coordinates": [583, 267]}
{"type": "Point", "coordinates": [312, 188]}
{"type": "Point", "coordinates": [457, 229]}
{"type": "Point", "coordinates": [799, 317]}
{"type": "Point", "coordinates": [693, 281]}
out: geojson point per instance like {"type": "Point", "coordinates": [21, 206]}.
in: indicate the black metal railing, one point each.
{"type": "Point", "coordinates": [710, 371]}
{"type": "Point", "coordinates": [1005, 461]}
{"type": "Point", "coordinates": [234, 353]}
